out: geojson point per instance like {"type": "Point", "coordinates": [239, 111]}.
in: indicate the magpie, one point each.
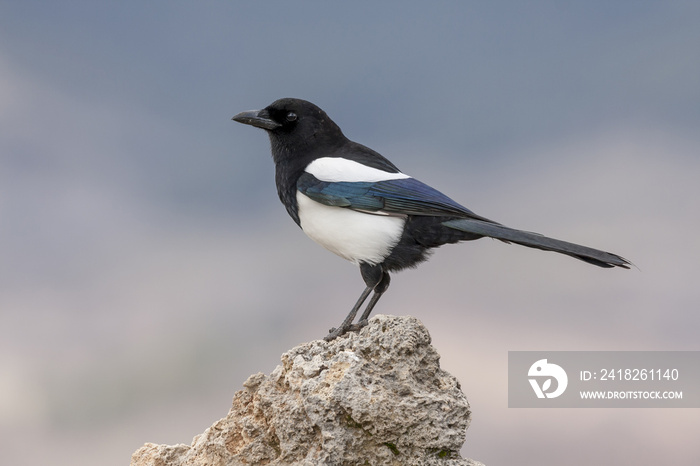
{"type": "Point", "coordinates": [357, 204]}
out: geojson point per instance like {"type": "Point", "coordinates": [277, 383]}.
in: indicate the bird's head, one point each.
{"type": "Point", "coordinates": [294, 126]}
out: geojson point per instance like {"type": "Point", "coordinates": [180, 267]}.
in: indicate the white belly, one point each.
{"type": "Point", "coordinates": [355, 236]}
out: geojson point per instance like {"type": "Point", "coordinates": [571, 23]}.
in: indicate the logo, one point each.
{"type": "Point", "coordinates": [546, 371]}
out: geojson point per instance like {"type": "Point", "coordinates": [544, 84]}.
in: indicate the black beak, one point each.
{"type": "Point", "coordinates": [259, 118]}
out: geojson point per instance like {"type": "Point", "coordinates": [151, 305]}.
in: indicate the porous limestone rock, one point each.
{"type": "Point", "coordinates": [377, 397]}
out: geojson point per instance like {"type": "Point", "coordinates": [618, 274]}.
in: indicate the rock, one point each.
{"type": "Point", "coordinates": [377, 397]}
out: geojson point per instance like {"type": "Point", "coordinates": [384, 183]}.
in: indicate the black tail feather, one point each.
{"type": "Point", "coordinates": [535, 240]}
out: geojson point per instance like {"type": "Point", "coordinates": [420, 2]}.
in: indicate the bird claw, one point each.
{"type": "Point", "coordinates": [334, 332]}
{"type": "Point", "coordinates": [358, 326]}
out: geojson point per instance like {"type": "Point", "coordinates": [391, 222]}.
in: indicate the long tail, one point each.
{"type": "Point", "coordinates": [535, 240]}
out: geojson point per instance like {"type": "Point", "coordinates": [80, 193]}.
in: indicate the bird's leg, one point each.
{"type": "Point", "coordinates": [336, 332]}
{"type": "Point", "coordinates": [378, 292]}
{"type": "Point", "coordinates": [373, 275]}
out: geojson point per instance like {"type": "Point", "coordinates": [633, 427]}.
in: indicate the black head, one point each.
{"type": "Point", "coordinates": [294, 126]}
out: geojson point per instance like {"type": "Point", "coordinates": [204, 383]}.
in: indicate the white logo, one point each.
{"type": "Point", "coordinates": [544, 369]}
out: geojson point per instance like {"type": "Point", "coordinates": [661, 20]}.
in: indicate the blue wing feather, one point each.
{"type": "Point", "coordinates": [406, 196]}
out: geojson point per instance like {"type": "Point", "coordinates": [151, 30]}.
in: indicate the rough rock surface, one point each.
{"type": "Point", "coordinates": [377, 397]}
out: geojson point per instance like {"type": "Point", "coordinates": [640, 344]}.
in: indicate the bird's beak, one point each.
{"type": "Point", "coordinates": [259, 118]}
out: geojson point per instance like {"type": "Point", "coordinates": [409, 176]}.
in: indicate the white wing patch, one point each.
{"type": "Point", "coordinates": [355, 236]}
{"type": "Point", "coordinates": [334, 169]}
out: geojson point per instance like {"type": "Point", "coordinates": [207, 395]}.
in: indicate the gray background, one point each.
{"type": "Point", "coordinates": [147, 267]}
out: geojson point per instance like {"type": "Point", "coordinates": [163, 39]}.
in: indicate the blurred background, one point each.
{"type": "Point", "coordinates": [147, 266]}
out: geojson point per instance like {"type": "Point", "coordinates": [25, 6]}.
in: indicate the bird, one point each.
{"type": "Point", "coordinates": [357, 204]}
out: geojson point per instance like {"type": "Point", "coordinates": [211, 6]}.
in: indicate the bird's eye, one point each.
{"type": "Point", "coordinates": [291, 116]}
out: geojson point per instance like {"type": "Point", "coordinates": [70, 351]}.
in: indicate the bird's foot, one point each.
{"type": "Point", "coordinates": [357, 327]}
{"type": "Point", "coordinates": [334, 333]}
{"type": "Point", "coordinates": [342, 330]}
